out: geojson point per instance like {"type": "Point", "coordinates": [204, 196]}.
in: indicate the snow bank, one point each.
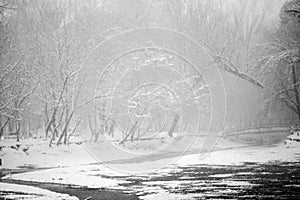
{"type": "Point", "coordinates": [238, 156]}
{"type": "Point", "coordinates": [37, 153]}
{"type": "Point", "coordinates": [14, 191]}
{"type": "Point", "coordinates": [80, 176]}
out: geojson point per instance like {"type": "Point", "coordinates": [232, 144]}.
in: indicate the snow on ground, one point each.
{"type": "Point", "coordinates": [14, 191]}
{"type": "Point", "coordinates": [237, 156]}
{"type": "Point", "coordinates": [225, 153]}
{"type": "Point", "coordinates": [99, 175]}
{"type": "Point", "coordinates": [89, 176]}
{"type": "Point", "coordinates": [37, 153]}
{"type": "Point", "coordinates": [170, 196]}
{"type": "Point", "coordinates": [79, 171]}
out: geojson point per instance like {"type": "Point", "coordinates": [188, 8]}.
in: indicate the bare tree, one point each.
{"type": "Point", "coordinates": [280, 60]}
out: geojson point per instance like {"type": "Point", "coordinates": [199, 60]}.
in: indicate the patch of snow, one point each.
{"type": "Point", "coordinates": [171, 184]}
{"type": "Point", "coordinates": [244, 173]}
{"type": "Point", "coordinates": [15, 191]}
{"type": "Point", "coordinates": [221, 175]}
{"type": "Point", "coordinates": [292, 186]}
{"type": "Point", "coordinates": [69, 175]}
{"type": "Point", "coordinates": [171, 196]}
{"type": "Point", "coordinates": [40, 155]}
{"type": "Point", "coordinates": [235, 183]}
{"type": "Point", "coordinates": [240, 156]}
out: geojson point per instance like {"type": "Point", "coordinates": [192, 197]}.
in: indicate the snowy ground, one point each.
{"type": "Point", "coordinates": [36, 153]}
{"type": "Point", "coordinates": [14, 191]}
{"type": "Point", "coordinates": [75, 166]}
{"type": "Point", "coordinates": [241, 155]}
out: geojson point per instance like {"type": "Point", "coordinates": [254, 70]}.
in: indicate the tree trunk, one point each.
{"type": "Point", "coordinates": [2, 127]}
{"type": "Point", "coordinates": [18, 124]}
{"type": "Point", "coordinates": [93, 130]}
{"type": "Point", "coordinates": [112, 129]}
{"type": "Point", "coordinates": [130, 133]}
{"type": "Point", "coordinates": [296, 91]}
{"type": "Point", "coordinates": [174, 124]}
{"type": "Point", "coordinates": [64, 133]}
{"type": "Point", "coordinates": [73, 131]}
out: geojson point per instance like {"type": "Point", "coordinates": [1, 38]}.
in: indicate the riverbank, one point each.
{"type": "Point", "coordinates": [16, 189]}
{"type": "Point", "coordinates": [79, 175]}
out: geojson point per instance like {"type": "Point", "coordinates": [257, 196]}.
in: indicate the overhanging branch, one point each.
{"type": "Point", "coordinates": [226, 65]}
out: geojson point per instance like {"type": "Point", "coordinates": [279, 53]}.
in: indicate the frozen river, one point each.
{"type": "Point", "coordinates": [275, 180]}
{"type": "Point", "coordinates": [248, 181]}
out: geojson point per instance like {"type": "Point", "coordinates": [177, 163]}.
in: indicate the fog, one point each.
{"type": "Point", "coordinates": [141, 84]}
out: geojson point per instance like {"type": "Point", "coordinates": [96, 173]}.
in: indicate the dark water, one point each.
{"type": "Point", "coordinates": [248, 181]}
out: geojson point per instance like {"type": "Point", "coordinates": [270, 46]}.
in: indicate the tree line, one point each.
{"type": "Point", "coordinates": [43, 44]}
